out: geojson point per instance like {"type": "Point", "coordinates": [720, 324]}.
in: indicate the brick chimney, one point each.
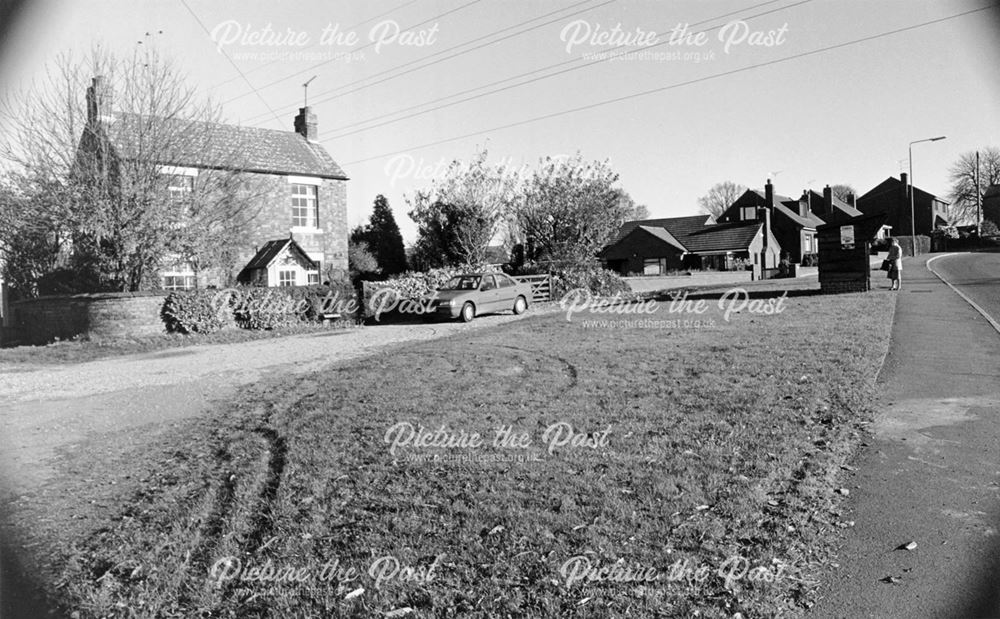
{"type": "Point", "coordinates": [804, 204]}
{"type": "Point", "coordinates": [98, 100]}
{"type": "Point", "coordinates": [827, 200]}
{"type": "Point", "coordinates": [305, 124]}
{"type": "Point", "coordinates": [851, 200]}
{"type": "Point", "coordinates": [769, 194]}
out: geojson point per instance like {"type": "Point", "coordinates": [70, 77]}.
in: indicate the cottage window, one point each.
{"type": "Point", "coordinates": [808, 245]}
{"type": "Point", "coordinates": [178, 282]}
{"type": "Point", "coordinates": [313, 277]}
{"type": "Point", "coordinates": [748, 213]}
{"type": "Point", "coordinates": [286, 278]}
{"type": "Point", "coordinates": [305, 206]}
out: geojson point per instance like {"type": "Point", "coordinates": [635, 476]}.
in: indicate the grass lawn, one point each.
{"type": "Point", "coordinates": [695, 454]}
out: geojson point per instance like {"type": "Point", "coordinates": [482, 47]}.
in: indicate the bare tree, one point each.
{"type": "Point", "coordinates": [89, 162]}
{"type": "Point", "coordinates": [843, 192]}
{"type": "Point", "coordinates": [720, 197]}
{"type": "Point", "coordinates": [964, 190]}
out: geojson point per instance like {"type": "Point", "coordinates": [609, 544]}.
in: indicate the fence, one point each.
{"type": "Point", "coordinates": [541, 286]}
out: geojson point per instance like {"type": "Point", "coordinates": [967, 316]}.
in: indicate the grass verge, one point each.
{"type": "Point", "coordinates": [700, 477]}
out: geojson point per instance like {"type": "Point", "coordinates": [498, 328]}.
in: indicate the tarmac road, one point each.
{"type": "Point", "coordinates": [930, 472]}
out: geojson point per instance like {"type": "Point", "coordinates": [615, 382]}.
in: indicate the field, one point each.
{"type": "Point", "coordinates": [660, 464]}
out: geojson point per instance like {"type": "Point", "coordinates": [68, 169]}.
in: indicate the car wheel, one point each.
{"type": "Point", "coordinates": [520, 305]}
{"type": "Point", "coordinates": [468, 312]}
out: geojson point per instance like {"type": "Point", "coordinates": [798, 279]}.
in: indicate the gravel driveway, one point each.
{"type": "Point", "coordinates": [48, 409]}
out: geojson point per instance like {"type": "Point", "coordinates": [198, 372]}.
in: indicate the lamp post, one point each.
{"type": "Point", "coordinates": [913, 225]}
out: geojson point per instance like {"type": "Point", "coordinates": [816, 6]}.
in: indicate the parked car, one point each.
{"type": "Point", "coordinates": [473, 294]}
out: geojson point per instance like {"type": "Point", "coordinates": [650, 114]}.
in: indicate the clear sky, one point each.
{"type": "Point", "coordinates": [673, 118]}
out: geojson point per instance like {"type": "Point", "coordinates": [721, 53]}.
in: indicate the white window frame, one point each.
{"type": "Point", "coordinates": [314, 214]}
{"type": "Point", "coordinates": [317, 257]}
{"type": "Point", "coordinates": [282, 280]}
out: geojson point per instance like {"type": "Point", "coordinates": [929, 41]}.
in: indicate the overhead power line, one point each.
{"type": "Point", "coordinates": [320, 64]}
{"type": "Point", "coordinates": [678, 85]}
{"type": "Point", "coordinates": [601, 59]}
{"type": "Point", "coordinates": [245, 79]}
{"type": "Point", "coordinates": [400, 68]}
{"type": "Point", "coordinates": [277, 60]}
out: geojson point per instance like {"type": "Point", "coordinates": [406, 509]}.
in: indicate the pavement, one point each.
{"type": "Point", "coordinates": [928, 476]}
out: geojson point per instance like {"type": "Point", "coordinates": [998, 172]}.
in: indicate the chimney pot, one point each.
{"type": "Point", "coordinates": [98, 100]}
{"type": "Point", "coordinates": [306, 125]}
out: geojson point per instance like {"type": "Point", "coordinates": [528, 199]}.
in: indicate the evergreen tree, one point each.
{"type": "Point", "coordinates": [384, 238]}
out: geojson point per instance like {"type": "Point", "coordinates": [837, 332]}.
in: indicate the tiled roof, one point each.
{"type": "Point", "coordinates": [200, 144]}
{"type": "Point", "coordinates": [690, 223]}
{"type": "Point", "coordinates": [735, 236]}
{"type": "Point", "coordinates": [271, 250]}
{"type": "Point", "coordinates": [790, 209]}
{"type": "Point", "coordinates": [892, 183]}
{"type": "Point", "coordinates": [663, 235]}
{"type": "Point", "coordinates": [697, 233]}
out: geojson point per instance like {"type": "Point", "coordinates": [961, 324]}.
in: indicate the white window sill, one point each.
{"type": "Point", "coordinates": [307, 230]}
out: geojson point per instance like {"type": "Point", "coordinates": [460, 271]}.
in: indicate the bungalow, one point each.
{"type": "Point", "coordinates": [892, 197]}
{"type": "Point", "coordinates": [658, 246]}
{"type": "Point", "coordinates": [303, 192]}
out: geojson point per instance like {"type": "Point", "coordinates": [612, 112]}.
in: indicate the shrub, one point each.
{"type": "Point", "coordinates": [268, 308]}
{"type": "Point", "coordinates": [567, 276]}
{"type": "Point", "coordinates": [409, 285]}
{"type": "Point", "coordinates": [195, 311]}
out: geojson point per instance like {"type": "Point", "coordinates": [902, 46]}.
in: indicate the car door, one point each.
{"type": "Point", "coordinates": [506, 292]}
{"type": "Point", "coordinates": [489, 295]}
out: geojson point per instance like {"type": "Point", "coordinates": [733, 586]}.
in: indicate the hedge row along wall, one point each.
{"type": "Point", "coordinates": [116, 315]}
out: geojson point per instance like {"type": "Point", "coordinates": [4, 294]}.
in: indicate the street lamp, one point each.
{"type": "Point", "coordinates": [913, 225]}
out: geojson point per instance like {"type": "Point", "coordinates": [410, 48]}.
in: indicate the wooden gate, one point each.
{"type": "Point", "coordinates": [541, 286]}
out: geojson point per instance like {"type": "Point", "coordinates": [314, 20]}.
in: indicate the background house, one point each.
{"type": "Point", "coordinates": [892, 197]}
{"type": "Point", "coordinates": [657, 246]}
{"type": "Point", "coordinates": [793, 223]}
{"type": "Point", "coordinates": [303, 192]}
{"type": "Point", "coordinates": [991, 204]}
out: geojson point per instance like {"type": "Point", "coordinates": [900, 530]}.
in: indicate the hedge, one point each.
{"type": "Point", "coordinates": [205, 311]}
{"type": "Point", "coordinates": [195, 311]}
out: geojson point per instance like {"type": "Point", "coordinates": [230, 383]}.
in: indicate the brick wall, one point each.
{"type": "Point", "coordinates": [275, 221]}
{"type": "Point", "coordinates": [841, 287]}
{"type": "Point", "coordinates": [96, 316]}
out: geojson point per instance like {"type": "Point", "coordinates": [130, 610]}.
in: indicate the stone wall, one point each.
{"type": "Point", "coordinates": [95, 316]}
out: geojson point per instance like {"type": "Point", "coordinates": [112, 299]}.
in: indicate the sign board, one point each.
{"type": "Point", "coordinates": [847, 237]}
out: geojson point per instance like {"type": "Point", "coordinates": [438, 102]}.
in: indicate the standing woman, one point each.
{"type": "Point", "coordinates": [895, 259]}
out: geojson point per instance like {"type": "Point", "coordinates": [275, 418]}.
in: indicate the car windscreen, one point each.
{"type": "Point", "coordinates": [462, 282]}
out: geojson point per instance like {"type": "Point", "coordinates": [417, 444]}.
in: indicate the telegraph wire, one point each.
{"type": "Point", "coordinates": [536, 79]}
{"type": "Point", "coordinates": [238, 70]}
{"type": "Point", "coordinates": [678, 85]}
{"type": "Point", "coordinates": [320, 64]}
{"type": "Point", "coordinates": [277, 60]}
{"type": "Point", "coordinates": [463, 52]}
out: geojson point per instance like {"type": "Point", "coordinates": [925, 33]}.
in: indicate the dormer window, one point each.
{"type": "Point", "coordinates": [748, 213]}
